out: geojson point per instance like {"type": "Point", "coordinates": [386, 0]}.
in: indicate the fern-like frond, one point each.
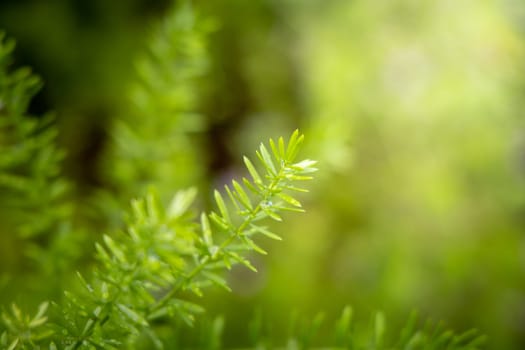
{"type": "Point", "coordinates": [235, 228]}
{"type": "Point", "coordinates": [35, 202]}
{"type": "Point", "coordinates": [153, 141]}
{"type": "Point", "coordinates": [30, 186]}
{"type": "Point", "coordinates": [146, 271]}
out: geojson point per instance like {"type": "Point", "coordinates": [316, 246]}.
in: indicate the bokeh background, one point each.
{"type": "Point", "coordinates": [414, 109]}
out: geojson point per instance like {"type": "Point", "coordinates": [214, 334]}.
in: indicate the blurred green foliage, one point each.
{"type": "Point", "coordinates": [414, 110]}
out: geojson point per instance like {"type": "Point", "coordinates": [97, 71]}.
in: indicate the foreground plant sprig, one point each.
{"type": "Point", "coordinates": [147, 270]}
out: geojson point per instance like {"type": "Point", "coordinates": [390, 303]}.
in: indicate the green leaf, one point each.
{"type": "Point", "coordinates": [265, 232]}
{"type": "Point", "coordinates": [139, 209]}
{"type": "Point", "coordinates": [266, 159]}
{"type": "Point", "coordinates": [132, 315]}
{"type": "Point", "coordinates": [293, 188]}
{"type": "Point", "coordinates": [232, 198]}
{"type": "Point", "coordinates": [216, 279]}
{"type": "Point", "coordinates": [16, 312]}
{"type": "Point", "coordinates": [243, 197]}
{"type": "Point", "coordinates": [275, 150]}
{"type": "Point", "coordinates": [159, 313]}
{"type": "Point", "coordinates": [268, 211]}
{"type": "Point", "coordinates": [84, 283]}
{"type": "Point", "coordinates": [222, 207]}
{"type": "Point", "coordinates": [304, 164]}
{"type": "Point", "coordinates": [104, 291]}
{"type": "Point", "coordinates": [115, 250]}
{"type": "Point", "coordinates": [102, 253]}
{"type": "Point", "coordinates": [295, 177]}
{"type": "Point", "coordinates": [408, 330]}
{"type": "Point", "coordinates": [206, 230]}
{"type": "Point", "coordinates": [226, 261]}
{"type": "Point", "coordinates": [219, 221]}
{"type": "Point", "coordinates": [288, 199]}
{"type": "Point", "coordinates": [342, 330]}
{"type": "Point", "coordinates": [43, 334]}
{"type": "Point", "coordinates": [181, 202]}
{"type": "Point", "coordinates": [189, 306]}
{"type": "Point", "coordinates": [293, 145]}
{"type": "Point", "coordinates": [379, 329]}
{"type": "Point", "coordinates": [292, 209]}
{"type": "Point", "coordinates": [187, 318]}
{"type": "Point", "coordinates": [13, 344]}
{"type": "Point", "coordinates": [153, 206]}
{"type": "Point", "coordinates": [251, 169]}
{"type": "Point", "coordinates": [39, 319]}
{"type": "Point", "coordinates": [242, 261]}
{"type": "Point", "coordinates": [255, 190]}
{"type": "Point", "coordinates": [254, 246]}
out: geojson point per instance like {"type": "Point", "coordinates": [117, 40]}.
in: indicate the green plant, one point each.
{"type": "Point", "coordinates": [145, 270]}
{"type": "Point", "coordinates": [154, 139]}
{"type": "Point", "coordinates": [347, 333]}
{"type": "Point", "coordinates": [29, 159]}
{"type": "Point", "coordinates": [149, 275]}
{"type": "Point", "coordinates": [35, 201]}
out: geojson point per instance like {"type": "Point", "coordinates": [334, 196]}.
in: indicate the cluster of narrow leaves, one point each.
{"type": "Point", "coordinates": [29, 160]}
{"type": "Point", "coordinates": [35, 205]}
{"type": "Point", "coordinates": [348, 334]}
{"type": "Point", "coordinates": [148, 272]}
{"type": "Point", "coordinates": [152, 142]}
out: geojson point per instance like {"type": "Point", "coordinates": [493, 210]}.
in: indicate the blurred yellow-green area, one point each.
{"type": "Point", "coordinates": [414, 110]}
